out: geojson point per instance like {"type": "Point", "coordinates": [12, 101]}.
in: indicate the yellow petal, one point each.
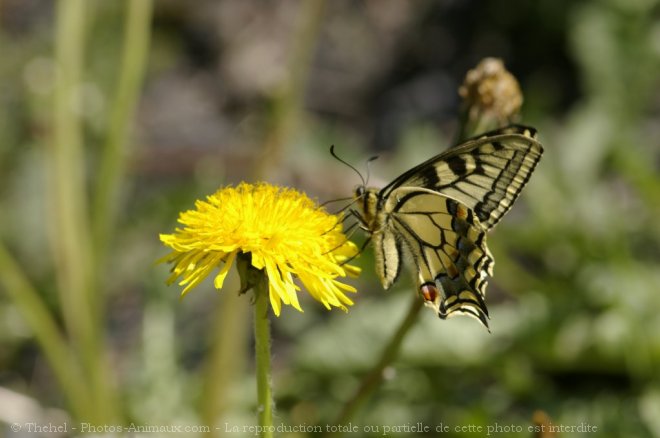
{"type": "Point", "coordinates": [220, 278]}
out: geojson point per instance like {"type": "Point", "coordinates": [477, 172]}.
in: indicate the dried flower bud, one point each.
{"type": "Point", "coordinates": [491, 97]}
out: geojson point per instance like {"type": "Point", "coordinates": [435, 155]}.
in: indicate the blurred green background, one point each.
{"type": "Point", "coordinates": [117, 115]}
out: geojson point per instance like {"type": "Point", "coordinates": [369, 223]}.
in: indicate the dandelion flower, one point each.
{"type": "Point", "coordinates": [279, 230]}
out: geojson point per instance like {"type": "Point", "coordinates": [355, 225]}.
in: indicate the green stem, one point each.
{"type": "Point", "coordinates": [262, 350]}
{"type": "Point", "coordinates": [70, 237]}
{"type": "Point", "coordinates": [374, 378]}
{"type": "Point", "coordinates": [131, 73]}
{"type": "Point", "coordinates": [70, 231]}
{"type": "Point", "coordinates": [47, 333]}
{"type": "Point", "coordinates": [471, 126]}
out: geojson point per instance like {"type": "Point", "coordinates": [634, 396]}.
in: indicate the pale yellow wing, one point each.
{"type": "Point", "coordinates": [447, 245]}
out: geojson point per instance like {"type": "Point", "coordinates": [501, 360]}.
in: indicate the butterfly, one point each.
{"type": "Point", "coordinates": [437, 215]}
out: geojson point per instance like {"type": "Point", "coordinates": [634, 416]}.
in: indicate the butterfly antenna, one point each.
{"type": "Point", "coordinates": [332, 152]}
{"type": "Point", "coordinates": [374, 158]}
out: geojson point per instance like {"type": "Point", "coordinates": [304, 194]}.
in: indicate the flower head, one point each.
{"type": "Point", "coordinates": [285, 234]}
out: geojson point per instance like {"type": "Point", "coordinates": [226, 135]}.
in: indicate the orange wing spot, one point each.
{"type": "Point", "coordinates": [429, 292]}
{"type": "Point", "coordinates": [461, 212]}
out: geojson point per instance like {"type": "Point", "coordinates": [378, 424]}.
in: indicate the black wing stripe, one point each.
{"type": "Point", "coordinates": [517, 183]}
{"type": "Point", "coordinates": [457, 164]}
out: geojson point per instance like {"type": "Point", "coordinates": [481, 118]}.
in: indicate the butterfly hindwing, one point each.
{"type": "Point", "coordinates": [448, 246]}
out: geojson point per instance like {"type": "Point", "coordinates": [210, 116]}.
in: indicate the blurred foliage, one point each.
{"type": "Point", "coordinates": [575, 300]}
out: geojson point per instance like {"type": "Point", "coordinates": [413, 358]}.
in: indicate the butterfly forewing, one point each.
{"type": "Point", "coordinates": [486, 173]}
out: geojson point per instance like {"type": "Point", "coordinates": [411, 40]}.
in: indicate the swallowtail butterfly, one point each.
{"type": "Point", "coordinates": [437, 215]}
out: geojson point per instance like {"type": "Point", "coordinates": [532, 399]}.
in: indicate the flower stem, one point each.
{"type": "Point", "coordinates": [262, 350]}
{"type": "Point", "coordinates": [374, 378]}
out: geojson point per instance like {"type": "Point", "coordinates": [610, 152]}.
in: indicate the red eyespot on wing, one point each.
{"type": "Point", "coordinates": [430, 292]}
